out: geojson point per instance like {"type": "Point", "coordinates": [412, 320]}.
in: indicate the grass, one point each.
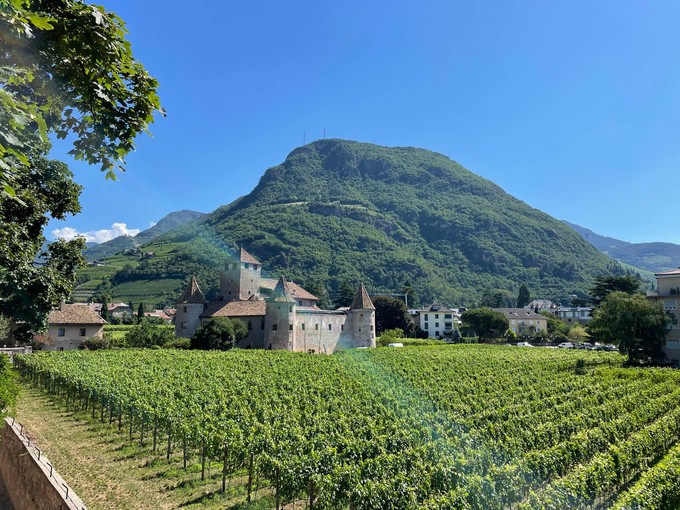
{"type": "Point", "coordinates": [108, 471]}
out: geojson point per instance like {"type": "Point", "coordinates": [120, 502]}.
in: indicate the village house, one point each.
{"type": "Point", "coordinates": [279, 314]}
{"type": "Point", "coordinates": [437, 320]}
{"type": "Point", "coordinates": [70, 325]}
{"type": "Point", "coordinates": [522, 320]}
{"type": "Point", "coordinates": [575, 314]}
{"type": "Point", "coordinates": [668, 293]}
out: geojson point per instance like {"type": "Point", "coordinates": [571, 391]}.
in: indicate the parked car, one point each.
{"type": "Point", "coordinates": [524, 344]}
{"type": "Point", "coordinates": [566, 345]}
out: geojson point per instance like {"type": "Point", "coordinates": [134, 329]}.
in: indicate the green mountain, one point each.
{"type": "Point", "coordinates": [168, 222]}
{"type": "Point", "coordinates": [654, 257]}
{"type": "Point", "coordinates": [337, 211]}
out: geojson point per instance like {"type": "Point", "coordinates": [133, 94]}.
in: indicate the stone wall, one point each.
{"type": "Point", "coordinates": [30, 480]}
{"type": "Point", "coordinates": [321, 331]}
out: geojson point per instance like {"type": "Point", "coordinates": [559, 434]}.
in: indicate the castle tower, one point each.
{"type": "Point", "coordinates": [241, 279]}
{"type": "Point", "coordinates": [190, 306]}
{"type": "Point", "coordinates": [279, 318]}
{"type": "Point", "coordinates": [361, 319]}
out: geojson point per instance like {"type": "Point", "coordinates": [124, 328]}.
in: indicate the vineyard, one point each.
{"type": "Point", "coordinates": [437, 427]}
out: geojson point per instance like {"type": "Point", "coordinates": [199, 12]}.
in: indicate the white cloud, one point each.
{"type": "Point", "coordinates": [97, 236]}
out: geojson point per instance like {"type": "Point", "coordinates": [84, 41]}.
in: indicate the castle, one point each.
{"type": "Point", "coordinates": [279, 314]}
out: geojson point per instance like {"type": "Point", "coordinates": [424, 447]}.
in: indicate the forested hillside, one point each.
{"type": "Point", "coordinates": [337, 211]}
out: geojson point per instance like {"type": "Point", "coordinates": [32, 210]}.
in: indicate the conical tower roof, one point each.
{"type": "Point", "coordinates": [362, 301]}
{"type": "Point", "coordinates": [281, 293]}
{"type": "Point", "coordinates": [192, 293]}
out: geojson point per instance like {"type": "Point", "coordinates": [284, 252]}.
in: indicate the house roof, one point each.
{"type": "Point", "coordinates": [672, 272]}
{"type": "Point", "coordinates": [244, 256]}
{"type": "Point", "coordinates": [74, 314]}
{"type": "Point", "coordinates": [362, 300]}
{"type": "Point", "coordinates": [192, 293]}
{"type": "Point", "coordinates": [294, 289]}
{"type": "Point", "coordinates": [281, 293]}
{"type": "Point", "coordinates": [436, 307]}
{"type": "Point", "coordinates": [234, 309]}
{"type": "Point", "coordinates": [519, 313]}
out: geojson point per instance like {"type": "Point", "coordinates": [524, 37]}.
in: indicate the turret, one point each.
{"type": "Point", "coordinates": [279, 318]}
{"type": "Point", "coordinates": [190, 306]}
{"type": "Point", "coordinates": [241, 279]}
{"type": "Point", "coordinates": [361, 319]}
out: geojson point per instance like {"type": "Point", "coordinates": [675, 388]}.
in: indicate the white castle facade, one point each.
{"type": "Point", "coordinates": [279, 314]}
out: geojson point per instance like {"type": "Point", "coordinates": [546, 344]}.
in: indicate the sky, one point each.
{"type": "Point", "coordinates": [572, 107]}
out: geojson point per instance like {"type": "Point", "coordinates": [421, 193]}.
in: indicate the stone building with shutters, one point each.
{"type": "Point", "coordinates": [279, 314]}
{"type": "Point", "coordinates": [70, 325]}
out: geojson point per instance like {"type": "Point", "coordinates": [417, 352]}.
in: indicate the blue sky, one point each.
{"type": "Point", "coordinates": [573, 107]}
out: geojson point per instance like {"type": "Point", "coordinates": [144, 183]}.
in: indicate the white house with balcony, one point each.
{"type": "Point", "coordinates": [437, 320]}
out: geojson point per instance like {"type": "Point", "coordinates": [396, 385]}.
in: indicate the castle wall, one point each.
{"type": "Point", "coordinates": [187, 319]}
{"type": "Point", "coordinates": [361, 325]}
{"type": "Point", "coordinates": [322, 332]}
{"type": "Point", "coordinates": [255, 338]}
{"type": "Point", "coordinates": [278, 321]}
{"type": "Point", "coordinates": [241, 280]}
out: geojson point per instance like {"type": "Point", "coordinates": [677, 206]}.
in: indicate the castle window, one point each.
{"type": "Point", "coordinates": [302, 326]}
{"type": "Point", "coordinates": [185, 309]}
{"type": "Point", "coordinates": [82, 332]}
{"type": "Point", "coordinates": [359, 330]}
{"type": "Point", "coordinates": [270, 347]}
{"type": "Point", "coordinates": [290, 327]}
{"type": "Point", "coordinates": [330, 327]}
{"type": "Point", "coordinates": [275, 327]}
{"type": "Point", "coordinates": [342, 327]}
{"type": "Point", "coordinates": [371, 328]}
{"type": "Point", "coordinates": [316, 326]}
{"type": "Point", "coordinates": [62, 332]}
{"type": "Point", "coordinates": [290, 308]}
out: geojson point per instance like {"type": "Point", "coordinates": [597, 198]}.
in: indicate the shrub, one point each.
{"type": "Point", "coordinates": [95, 343]}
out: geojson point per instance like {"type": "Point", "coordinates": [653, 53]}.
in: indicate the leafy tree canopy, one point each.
{"type": "Point", "coordinates": [637, 325]}
{"type": "Point", "coordinates": [220, 333]}
{"type": "Point", "coordinates": [146, 334]}
{"type": "Point", "coordinates": [391, 313]}
{"type": "Point", "coordinates": [67, 67]}
{"type": "Point", "coordinates": [487, 323]}
{"type": "Point", "coordinates": [28, 291]}
{"type": "Point", "coordinates": [606, 284]}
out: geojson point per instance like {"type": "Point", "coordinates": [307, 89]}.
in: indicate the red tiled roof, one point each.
{"type": "Point", "coordinates": [293, 288]}
{"type": "Point", "coordinates": [74, 314]}
{"type": "Point", "coordinates": [244, 256]}
{"type": "Point", "coordinates": [235, 309]}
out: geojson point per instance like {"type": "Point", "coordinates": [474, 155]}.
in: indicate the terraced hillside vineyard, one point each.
{"type": "Point", "coordinates": [425, 427]}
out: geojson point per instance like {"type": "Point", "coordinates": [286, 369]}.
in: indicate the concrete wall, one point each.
{"type": "Point", "coordinates": [30, 481]}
